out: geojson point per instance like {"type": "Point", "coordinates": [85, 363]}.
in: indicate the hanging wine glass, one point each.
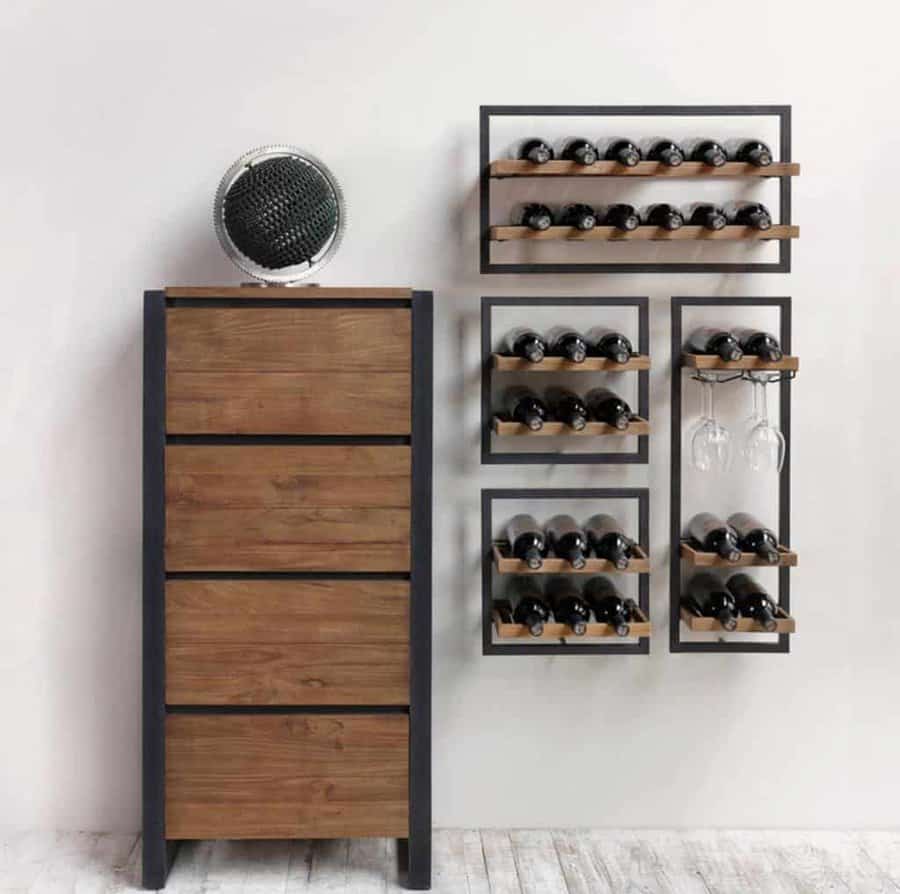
{"type": "Point", "coordinates": [754, 418]}
{"type": "Point", "coordinates": [711, 441]}
{"type": "Point", "coordinates": [764, 448]}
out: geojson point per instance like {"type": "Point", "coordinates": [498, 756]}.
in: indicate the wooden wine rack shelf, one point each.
{"type": "Point", "coordinates": [559, 168]}
{"type": "Point", "coordinates": [505, 428]}
{"type": "Point", "coordinates": [507, 564]}
{"type": "Point", "coordinates": [644, 234]}
{"type": "Point", "coordinates": [505, 363]}
{"type": "Point", "coordinates": [710, 361]}
{"type": "Point", "coordinates": [700, 559]}
{"type": "Point", "coordinates": [785, 623]}
{"type": "Point", "coordinates": [554, 631]}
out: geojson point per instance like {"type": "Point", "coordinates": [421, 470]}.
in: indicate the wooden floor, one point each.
{"type": "Point", "coordinates": [472, 862]}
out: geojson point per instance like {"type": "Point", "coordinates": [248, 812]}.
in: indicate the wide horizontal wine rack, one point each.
{"type": "Point", "coordinates": [683, 555]}
{"type": "Point", "coordinates": [502, 638]}
{"type": "Point", "coordinates": [690, 246]}
{"type": "Point", "coordinates": [581, 312]}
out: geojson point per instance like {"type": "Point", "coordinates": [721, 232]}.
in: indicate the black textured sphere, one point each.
{"type": "Point", "coordinates": [280, 212]}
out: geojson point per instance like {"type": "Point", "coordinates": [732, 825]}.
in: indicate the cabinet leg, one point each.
{"type": "Point", "coordinates": [418, 863]}
{"type": "Point", "coordinates": [158, 857]}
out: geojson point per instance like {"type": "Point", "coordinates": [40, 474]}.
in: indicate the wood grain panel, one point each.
{"type": "Point", "coordinates": [286, 776]}
{"type": "Point", "coordinates": [289, 339]}
{"type": "Point", "coordinates": [270, 642]}
{"type": "Point", "coordinates": [282, 508]}
{"type": "Point", "coordinates": [287, 674]}
{"type": "Point", "coordinates": [287, 611]}
{"type": "Point", "coordinates": [311, 403]}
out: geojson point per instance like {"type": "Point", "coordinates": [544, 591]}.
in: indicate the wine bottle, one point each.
{"type": "Point", "coordinates": [567, 605]}
{"type": "Point", "coordinates": [749, 214]}
{"type": "Point", "coordinates": [608, 541]}
{"type": "Point", "coordinates": [535, 150]}
{"type": "Point", "coordinates": [564, 341]}
{"type": "Point", "coordinates": [707, 215]}
{"type": "Point", "coordinates": [621, 216]}
{"type": "Point", "coordinates": [607, 604]}
{"type": "Point", "coordinates": [663, 215]}
{"type": "Point", "coordinates": [526, 540]}
{"type": "Point", "coordinates": [710, 534]}
{"type": "Point", "coordinates": [663, 150]}
{"type": "Point", "coordinates": [750, 151]}
{"type": "Point", "coordinates": [579, 150]}
{"type": "Point", "coordinates": [567, 540]}
{"type": "Point", "coordinates": [578, 215]}
{"type": "Point", "coordinates": [526, 343]}
{"type": "Point", "coordinates": [710, 340]}
{"type": "Point", "coordinates": [756, 343]}
{"type": "Point", "coordinates": [523, 405]}
{"type": "Point", "coordinates": [534, 216]}
{"type": "Point", "coordinates": [705, 150]}
{"type": "Point", "coordinates": [605, 342]}
{"type": "Point", "coordinates": [752, 600]}
{"type": "Point", "coordinates": [529, 606]}
{"type": "Point", "coordinates": [712, 599]}
{"type": "Point", "coordinates": [620, 150]}
{"type": "Point", "coordinates": [606, 406]}
{"type": "Point", "coordinates": [567, 407]}
{"type": "Point", "coordinates": [754, 536]}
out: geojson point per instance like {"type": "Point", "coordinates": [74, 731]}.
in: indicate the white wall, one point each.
{"type": "Point", "coordinates": [120, 118]}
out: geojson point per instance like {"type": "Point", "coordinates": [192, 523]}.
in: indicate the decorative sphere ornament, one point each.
{"type": "Point", "coordinates": [279, 214]}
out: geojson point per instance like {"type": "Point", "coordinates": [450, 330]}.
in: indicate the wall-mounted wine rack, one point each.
{"type": "Point", "coordinates": [494, 428]}
{"type": "Point", "coordinates": [683, 553]}
{"type": "Point", "coordinates": [500, 638]}
{"type": "Point", "coordinates": [493, 170]}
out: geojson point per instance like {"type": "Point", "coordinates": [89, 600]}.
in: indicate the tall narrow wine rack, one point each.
{"type": "Point", "coordinates": [683, 556]}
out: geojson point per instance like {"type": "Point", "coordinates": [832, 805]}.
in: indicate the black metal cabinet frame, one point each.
{"type": "Point", "coordinates": [491, 456]}
{"type": "Point", "coordinates": [781, 112]}
{"type": "Point", "coordinates": [488, 497]}
{"type": "Point", "coordinates": [158, 852]}
{"type": "Point", "coordinates": [676, 644]}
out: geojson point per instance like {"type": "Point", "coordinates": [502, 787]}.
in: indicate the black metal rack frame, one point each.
{"type": "Point", "coordinates": [676, 644]}
{"type": "Point", "coordinates": [781, 112]}
{"type": "Point", "coordinates": [489, 647]}
{"type": "Point", "coordinates": [489, 456]}
{"type": "Point", "coordinates": [414, 852]}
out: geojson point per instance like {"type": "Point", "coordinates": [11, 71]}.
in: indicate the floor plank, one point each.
{"type": "Point", "coordinates": [503, 877]}
{"type": "Point", "coordinates": [537, 862]}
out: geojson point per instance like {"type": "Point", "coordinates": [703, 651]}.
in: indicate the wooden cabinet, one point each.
{"type": "Point", "coordinates": [287, 551]}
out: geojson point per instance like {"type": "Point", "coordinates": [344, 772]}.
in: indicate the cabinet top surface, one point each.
{"type": "Point", "coordinates": [270, 292]}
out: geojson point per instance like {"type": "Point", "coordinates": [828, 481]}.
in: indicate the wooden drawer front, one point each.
{"type": "Point", "coordinates": [288, 371]}
{"type": "Point", "coordinates": [287, 508]}
{"type": "Point", "coordinates": [286, 776]}
{"type": "Point", "coordinates": [277, 642]}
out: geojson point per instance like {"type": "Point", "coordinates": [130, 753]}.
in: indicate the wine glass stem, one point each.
{"type": "Point", "coordinates": [711, 414]}
{"type": "Point", "coordinates": [763, 403]}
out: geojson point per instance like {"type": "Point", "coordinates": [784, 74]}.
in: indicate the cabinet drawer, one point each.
{"type": "Point", "coordinates": [288, 371]}
{"type": "Point", "coordinates": [272, 642]}
{"type": "Point", "coordinates": [286, 776]}
{"type": "Point", "coordinates": [287, 508]}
